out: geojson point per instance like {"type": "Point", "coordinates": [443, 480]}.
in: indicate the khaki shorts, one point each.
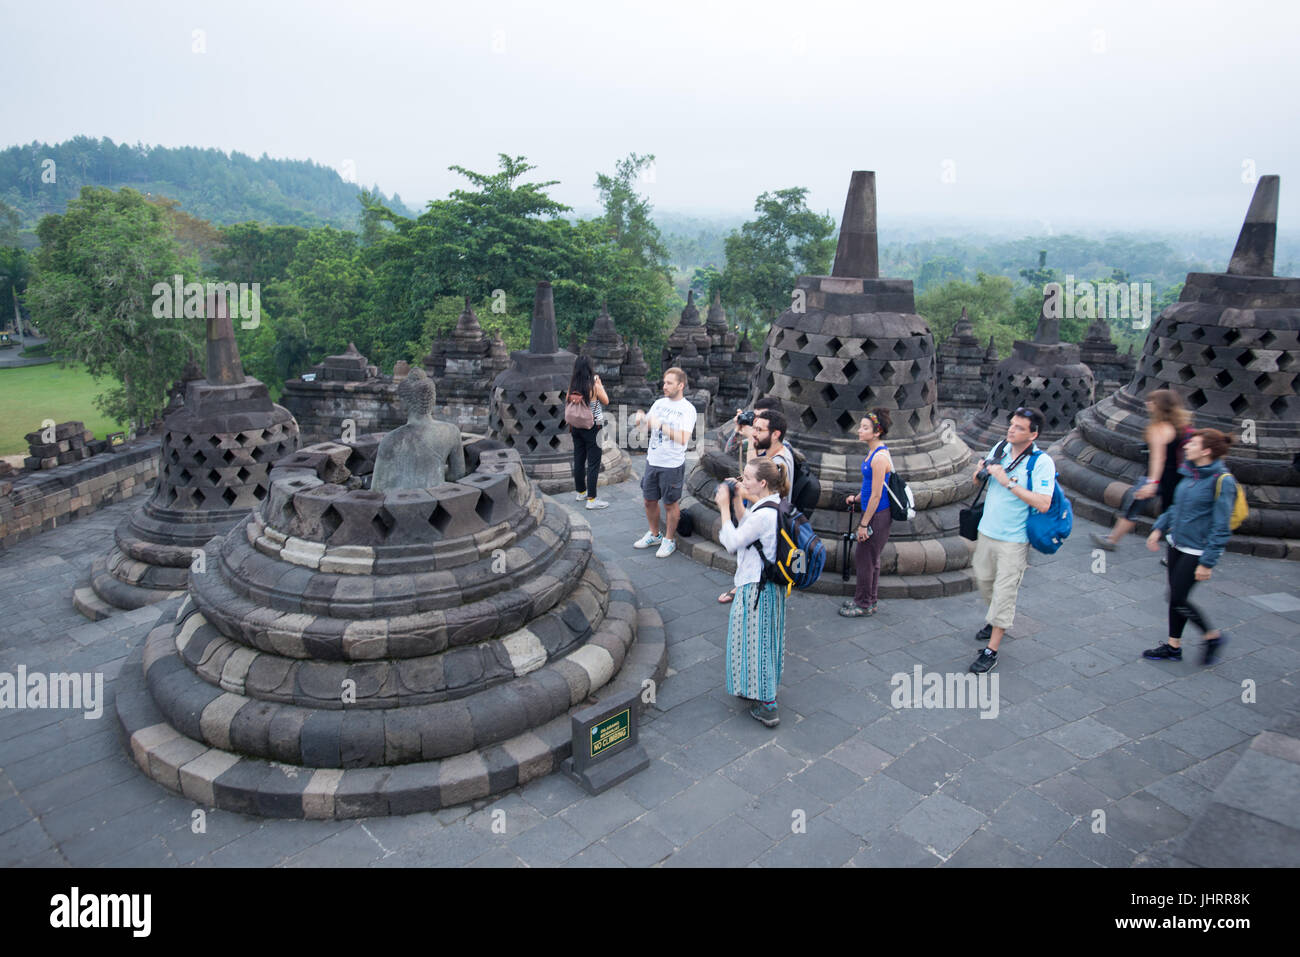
{"type": "Point", "coordinates": [998, 568]}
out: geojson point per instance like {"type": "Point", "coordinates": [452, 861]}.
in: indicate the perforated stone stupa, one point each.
{"type": "Point", "coordinates": [1230, 347]}
{"type": "Point", "coordinates": [353, 653]}
{"type": "Point", "coordinates": [345, 387]}
{"type": "Point", "coordinates": [528, 407]}
{"type": "Point", "coordinates": [1045, 374]}
{"type": "Point", "coordinates": [217, 453]}
{"type": "Point", "coordinates": [856, 344]}
{"type": "Point", "coordinates": [607, 352]}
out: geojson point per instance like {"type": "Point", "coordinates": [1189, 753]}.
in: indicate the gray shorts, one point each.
{"type": "Point", "coordinates": [661, 484]}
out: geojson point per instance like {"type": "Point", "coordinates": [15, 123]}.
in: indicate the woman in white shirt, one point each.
{"type": "Point", "coordinates": [756, 634]}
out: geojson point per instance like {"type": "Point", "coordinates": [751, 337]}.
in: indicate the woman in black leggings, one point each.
{"type": "Point", "coordinates": [586, 442]}
{"type": "Point", "coordinates": [1198, 527]}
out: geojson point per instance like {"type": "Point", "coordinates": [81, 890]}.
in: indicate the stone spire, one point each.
{"type": "Point", "coordinates": [1048, 332]}
{"type": "Point", "coordinates": [857, 254]}
{"type": "Point", "coordinates": [467, 326]}
{"type": "Point", "coordinates": [224, 367]}
{"type": "Point", "coordinates": [1254, 253]}
{"type": "Point", "coordinates": [963, 329]}
{"type": "Point", "coordinates": [544, 338]}
{"type": "Point", "coordinates": [716, 322]}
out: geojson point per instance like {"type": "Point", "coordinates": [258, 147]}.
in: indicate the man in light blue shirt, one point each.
{"type": "Point", "coordinates": [1002, 548]}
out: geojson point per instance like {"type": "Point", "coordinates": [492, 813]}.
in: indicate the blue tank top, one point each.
{"type": "Point", "coordinates": [866, 482]}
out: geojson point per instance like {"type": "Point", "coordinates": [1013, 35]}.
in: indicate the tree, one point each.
{"type": "Point", "coordinates": [766, 255]}
{"type": "Point", "coordinates": [15, 271]}
{"type": "Point", "coordinates": [93, 296]}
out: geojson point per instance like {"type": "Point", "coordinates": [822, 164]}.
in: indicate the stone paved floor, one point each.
{"type": "Point", "coordinates": [1084, 725]}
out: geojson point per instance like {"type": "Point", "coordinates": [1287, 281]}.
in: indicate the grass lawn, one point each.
{"type": "Point", "coordinates": [62, 393]}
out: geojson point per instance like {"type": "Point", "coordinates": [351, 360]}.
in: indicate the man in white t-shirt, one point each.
{"type": "Point", "coordinates": [671, 422]}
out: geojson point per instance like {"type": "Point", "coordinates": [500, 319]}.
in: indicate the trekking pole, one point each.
{"type": "Point", "coordinates": [845, 549]}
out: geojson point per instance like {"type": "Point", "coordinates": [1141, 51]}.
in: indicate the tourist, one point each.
{"type": "Point", "coordinates": [756, 632]}
{"type": "Point", "coordinates": [1197, 524]}
{"type": "Point", "coordinates": [768, 434]}
{"type": "Point", "coordinates": [1166, 433]}
{"type": "Point", "coordinates": [586, 442]}
{"type": "Point", "coordinates": [1002, 548]}
{"type": "Point", "coordinates": [873, 530]}
{"type": "Point", "coordinates": [745, 433]}
{"type": "Point", "coordinates": [671, 421]}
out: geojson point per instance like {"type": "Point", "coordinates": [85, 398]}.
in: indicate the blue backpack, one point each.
{"type": "Point", "coordinates": [800, 554]}
{"type": "Point", "coordinates": [1048, 530]}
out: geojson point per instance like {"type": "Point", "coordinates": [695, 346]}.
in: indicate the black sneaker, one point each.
{"type": "Point", "coordinates": [1165, 652]}
{"type": "Point", "coordinates": [1211, 649]}
{"type": "Point", "coordinates": [984, 634]}
{"type": "Point", "coordinates": [984, 662]}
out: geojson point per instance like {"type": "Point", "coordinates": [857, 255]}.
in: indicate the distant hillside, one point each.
{"type": "Point", "coordinates": [210, 184]}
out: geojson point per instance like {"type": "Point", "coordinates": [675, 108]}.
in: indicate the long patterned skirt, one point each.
{"type": "Point", "coordinates": [756, 642]}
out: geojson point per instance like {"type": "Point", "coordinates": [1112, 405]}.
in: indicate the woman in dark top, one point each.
{"type": "Point", "coordinates": [1167, 431]}
{"type": "Point", "coordinates": [586, 442]}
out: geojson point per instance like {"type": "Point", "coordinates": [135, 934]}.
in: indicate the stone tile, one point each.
{"type": "Point", "coordinates": [552, 842]}
{"type": "Point", "coordinates": [1265, 786]}
{"type": "Point", "coordinates": [763, 768]}
{"type": "Point", "coordinates": [706, 753]}
{"type": "Point", "coordinates": [1031, 822]}
{"type": "Point", "coordinates": [697, 808]}
{"type": "Point", "coordinates": [1101, 849]}
{"type": "Point", "coordinates": [1229, 837]}
{"type": "Point", "coordinates": [928, 766]}
{"type": "Point", "coordinates": [597, 855]}
{"type": "Point", "coordinates": [815, 735]}
{"type": "Point", "coordinates": [602, 814]}
{"type": "Point", "coordinates": [775, 811]}
{"type": "Point", "coordinates": [555, 792]}
{"type": "Point", "coordinates": [828, 780]}
{"type": "Point", "coordinates": [981, 787]}
{"type": "Point", "coordinates": [860, 756]}
{"type": "Point", "coordinates": [656, 784]}
{"type": "Point", "coordinates": [1118, 773]}
{"type": "Point", "coordinates": [639, 845]}
{"type": "Point", "coordinates": [1202, 736]}
{"type": "Point", "coordinates": [1086, 737]}
{"type": "Point", "coordinates": [823, 844]}
{"type": "Point", "coordinates": [940, 823]}
{"type": "Point", "coordinates": [1031, 760]}
{"type": "Point", "coordinates": [1062, 856]}
{"type": "Point", "coordinates": [729, 843]}
{"type": "Point", "coordinates": [874, 807]}
{"type": "Point", "coordinates": [986, 849]}
{"type": "Point", "coordinates": [497, 857]}
{"type": "Point", "coordinates": [892, 849]}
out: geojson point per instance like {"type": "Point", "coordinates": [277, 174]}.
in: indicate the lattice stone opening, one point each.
{"type": "Point", "coordinates": [383, 523]}
{"type": "Point", "coordinates": [850, 370]}
{"type": "Point", "coordinates": [834, 344]}
{"type": "Point", "coordinates": [808, 418]}
{"type": "Point", "coordinates": [867, 395]}
{"type": "Point", "coordinates": [440, 518]}
{"type": "Point", "coordinates": [845, 421]}
{"type": "Point", "coordinates": [828, 394]}
{"type": "Point", "coordinates": [1267, 339]}
{"type": "Point", "coordinates": [1186, 373]}
{"type": "Point", "coordinates": [796, 388]}
{"type": "Point", "coordinates": [330, 520]}
{"type": "Point", "coordinates": [229, 496]}
{"type": "Point", "coordinates": [1246, 358]}
{"type": "Point", "coordinates": [1197, 399]}
{"type": "Point", "coordinates": [483, 508]}
{"type": "Point", "coordinates": [1239, 405]}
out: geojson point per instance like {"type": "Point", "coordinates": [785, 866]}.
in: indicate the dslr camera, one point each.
{"type": "Point", "coordinates": [745, 418]}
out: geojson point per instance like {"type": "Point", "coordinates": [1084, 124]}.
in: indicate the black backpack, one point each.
{"type": "Point", "coordinates": [805, 488]}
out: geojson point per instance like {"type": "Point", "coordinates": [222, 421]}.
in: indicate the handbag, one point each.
{"type": "Point", "coordinates": [577, 412]}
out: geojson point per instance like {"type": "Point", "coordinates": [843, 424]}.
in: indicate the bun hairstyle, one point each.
{"type": "Point", "coordinates": [1214, 442]}
{"type": "Point", "coordinates": [881, 419]}
{"type": "Point", "coordinates": [773, 473]}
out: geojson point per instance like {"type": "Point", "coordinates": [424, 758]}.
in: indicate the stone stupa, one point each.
{"type": "Point", "coordinates": [1111, 369]}
{"type": "Point", "coordinates": [963, 388]}
{"type": "Point", "coordinates": [1230, 347]}
{"type": "Point", "coordinates": [354, 652]}
{"type": "Point", "coordinates": [216, 457]}
{"type": "Point", "coordinates": [851, 342]}
{"type": "Point", "coordinates": [528, 402]}
{"type": "Point", "coordinates": [463, 367]}
{"type": "Point", "coordinates": [1045, 374]}
{"type": "Point", "coordinates": [345, 388]}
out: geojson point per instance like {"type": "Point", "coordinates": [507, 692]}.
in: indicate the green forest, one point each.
{"type": "Point", "coordinates": [40, 178]}
{"type": "Point", "coordinates": [336, 265]}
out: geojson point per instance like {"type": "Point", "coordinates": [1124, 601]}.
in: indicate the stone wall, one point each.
{"type": "Point", "coordinates": [40, 500]}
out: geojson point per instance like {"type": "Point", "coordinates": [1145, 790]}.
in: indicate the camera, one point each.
{"type": "Point", "coordinates": [732, 485]}
{"type": "Point", "coordinates": [745, 418]}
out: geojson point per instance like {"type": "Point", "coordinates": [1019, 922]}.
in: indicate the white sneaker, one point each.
{"type": "Point", "coordinates": [666, 548]}
{"type": "Point", "coordinates": [595, 503]}
{"type": "Point", "coordinates": [579, 496]}
{"type": "Point", "coordinates": [648, 541]}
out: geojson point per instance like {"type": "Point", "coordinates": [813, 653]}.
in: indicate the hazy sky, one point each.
{"type": "Point", "coordinates": [1131, 115]}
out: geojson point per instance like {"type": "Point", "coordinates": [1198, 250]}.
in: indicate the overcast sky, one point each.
{"type": "Point", "coordinates": [1125, 115]}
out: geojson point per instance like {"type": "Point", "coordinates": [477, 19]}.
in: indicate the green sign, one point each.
{"type": "Point", "coordinates": [605, 734]}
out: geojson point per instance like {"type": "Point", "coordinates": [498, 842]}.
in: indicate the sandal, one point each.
{"type": "Point", "coordinates": [726, 597]}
